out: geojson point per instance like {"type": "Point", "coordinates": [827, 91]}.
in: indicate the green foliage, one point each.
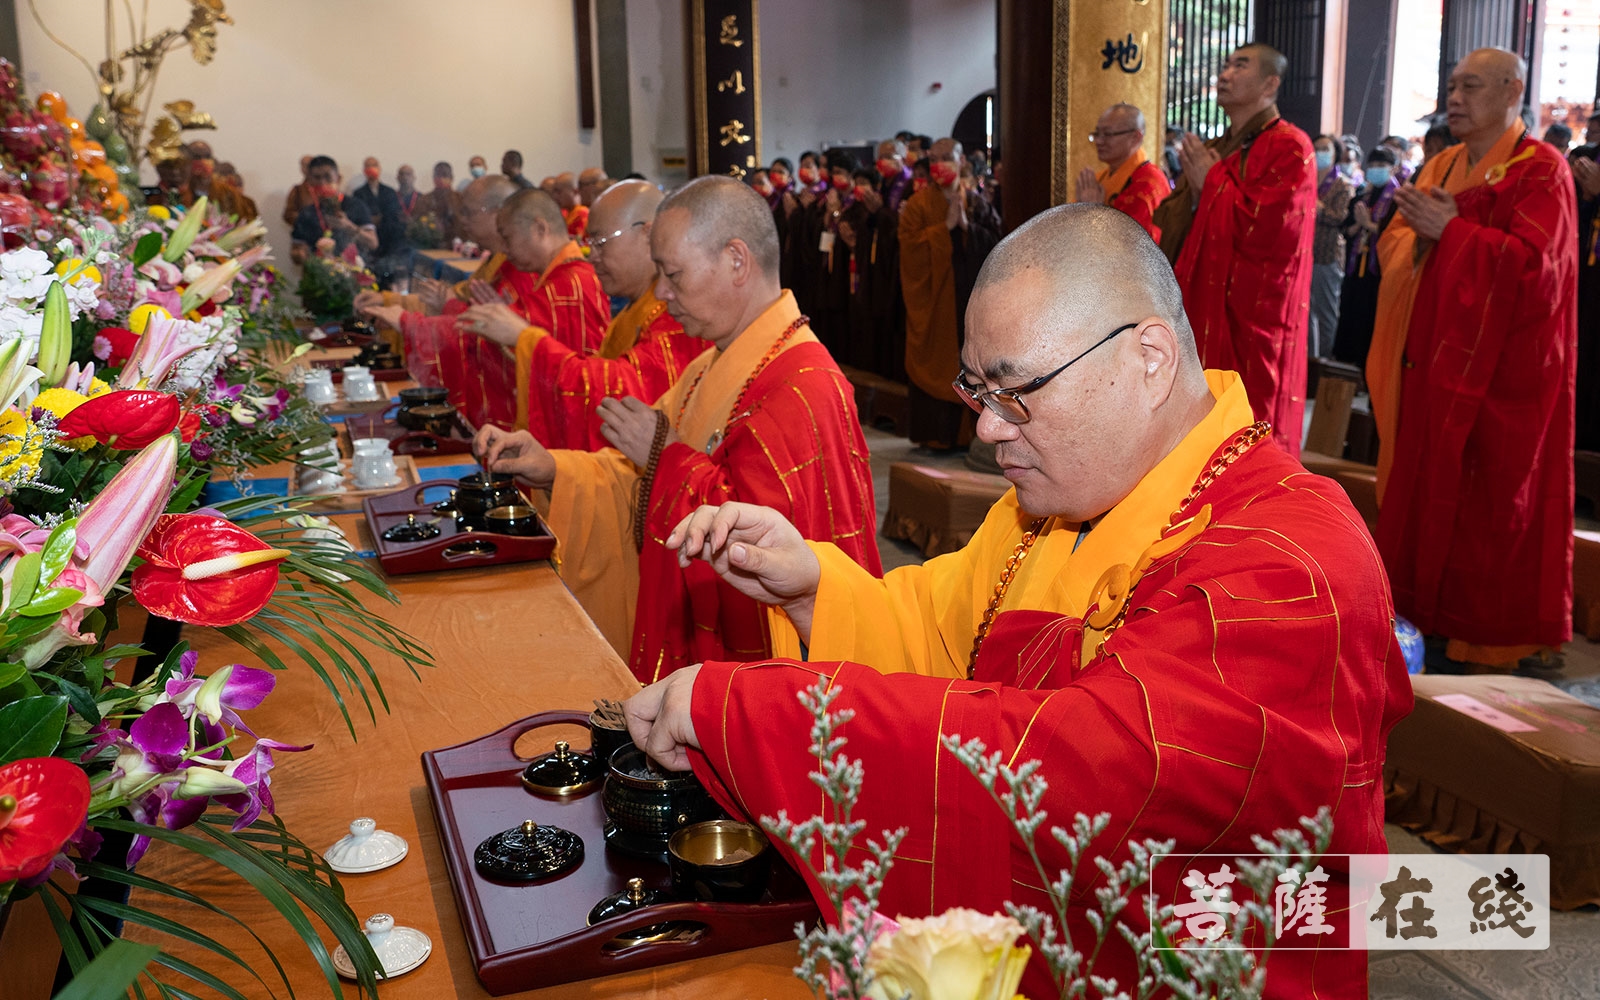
{"type": "Point", "coordinates": [111, 972]}
{"type": "Point", "coordinates": [327, 289]}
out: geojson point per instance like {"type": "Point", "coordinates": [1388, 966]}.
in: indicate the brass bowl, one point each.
{"type": "Point", "coordinates": [512, 519]}
{"type": "Point", "coordinates": [722, 860]}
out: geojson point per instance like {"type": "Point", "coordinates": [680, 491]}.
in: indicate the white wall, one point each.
{"type": "Point", "coordinates": [403, 80]}
{"type": "Point", "coordinates": [656, 89]}
{"type": "Point", "coordinates": [952, 43]}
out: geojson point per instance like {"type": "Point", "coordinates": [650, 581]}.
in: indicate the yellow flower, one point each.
{"type": "Point", "coordinates": [141, 316]}
{"type": "Point", "coordinates": [90, 271]}
{"type": "Point", "coordinates": [62, 402]}
{"type": "Point", "coordinates": [959, 955]}
{"type": "Point", "coordinates": [98, 386]}
{"type": "Point", "coordinates": [158, 212]}
{"type": "Point", "coordinates": [14, 462]}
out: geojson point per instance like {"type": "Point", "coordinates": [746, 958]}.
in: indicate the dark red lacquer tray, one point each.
{"type": "Point", "coordinates": [528, 936]}
{"type": "Point", "coordinates": [404, 442]}
{"type": "Point", "coordinates": [452, 548]}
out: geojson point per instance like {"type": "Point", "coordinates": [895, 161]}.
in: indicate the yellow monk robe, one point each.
{"type": "Point", "coordinates": [921, 619]}
{"type": "Point", "coordinates": [795, 445]}
{"type": "Point", "coordinates": [1402, 255]}
{"type": "Point", "coordinates": [577, 220]}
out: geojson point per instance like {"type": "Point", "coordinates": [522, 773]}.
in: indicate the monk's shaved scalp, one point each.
{"type": "Point", "coordinates": [721, 210]}
{"type": "Point", "coordinates": [531, 205]}
{"type": "Point", "coordinates": [622, 205]}
{"type": "Point", "coordinates": [1497, 62]}
{"type": "Point", "coordinates": [1100, 265]}
{"type": "Point", "coordinates": [488, 193]}
{"type": "Point", "coordinates": [1272, 62]}
{"type": "Point", "coordinates": [1131, 116]}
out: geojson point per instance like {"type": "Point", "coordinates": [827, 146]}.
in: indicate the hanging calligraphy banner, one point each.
{"type": "Point", "coordinates": [725, 97]}
{"type": "Point", "coordinates": [1105, 52]}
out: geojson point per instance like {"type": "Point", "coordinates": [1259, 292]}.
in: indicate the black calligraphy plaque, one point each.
{"type": "Point", "coordinates": [725, 98]}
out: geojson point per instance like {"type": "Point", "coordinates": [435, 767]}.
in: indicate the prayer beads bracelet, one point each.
{"type": "Point", "coordinates": [641, 503]}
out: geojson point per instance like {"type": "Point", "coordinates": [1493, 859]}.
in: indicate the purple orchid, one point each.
{"type": "Point", "coordinates": [254, 770]}
{"type": "Point", "coordinates": [217, 699]}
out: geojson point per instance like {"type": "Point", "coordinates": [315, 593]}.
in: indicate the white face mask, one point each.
{"type": "Point", "coordinates": [478, 171]}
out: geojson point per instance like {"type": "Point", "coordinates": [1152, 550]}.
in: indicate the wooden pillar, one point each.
{"type": "Point", "coordinates": [724, 52]}
{"type": "Point", "coordinates": [1062, 63]}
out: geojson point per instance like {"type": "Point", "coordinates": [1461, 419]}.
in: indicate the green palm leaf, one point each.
{"type": "Point", "coordinates": [111, 972]}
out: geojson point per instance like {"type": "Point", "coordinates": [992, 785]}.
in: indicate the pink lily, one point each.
{"type": "Point", "coordinates": [203, 288]}
{"type": "Point", "coordinates": [157, 352]}
{"type": "Point", "coordinates": [115, 522]}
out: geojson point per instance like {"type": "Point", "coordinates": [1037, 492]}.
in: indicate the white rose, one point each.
{"type": "Point", "coordinates": [959, 955]}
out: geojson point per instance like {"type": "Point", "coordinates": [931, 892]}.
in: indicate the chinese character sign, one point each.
{"type": "Point", "coordinates": [726, 104]}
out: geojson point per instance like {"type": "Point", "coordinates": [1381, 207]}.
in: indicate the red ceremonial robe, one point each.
{"type": "Point", "coordinates": [651, 353]}
{"type": "Point", "coordinates": [1245, 271]}
{"type": "Point", "coordinates": [1135, 189]}
{"type": "Point", "coordinates": [1254, 680]}
{"type": "Point", "coordinates": [1476, 521]}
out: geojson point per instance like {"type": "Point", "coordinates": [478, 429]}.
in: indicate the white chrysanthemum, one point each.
{"type": "Point", "coordinates": [82, 297]}
{"type": "Point", "coordinates": [25, 273]}
{"type": "Point", "coordinates": [15, 321]}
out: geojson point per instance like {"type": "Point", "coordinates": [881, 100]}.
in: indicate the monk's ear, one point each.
{"type": "Point", "coordinates": [739, 256]}
{"type": "Point", "coordinates": [1160, 355]}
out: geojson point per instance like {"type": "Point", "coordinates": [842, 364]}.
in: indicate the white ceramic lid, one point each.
{"type": "Point", "coordinates": [365, 849]}
{"type": "Point", "coordinates": [399, 949]}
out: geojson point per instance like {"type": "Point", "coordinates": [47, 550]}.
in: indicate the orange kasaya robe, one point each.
{"type": "Point", "coordinates": [928, 286]}
{"type": "Point", "coordinates": [577, 220]}
{"type": "Point", "coordinates": [1471, 370]}
{"type": "Point", "coordinates": [644, 352]}
{"type": "Point", "coordinates": [1245, 271]}
{"type": "Point", "coordinates": [1135, 188]}
{"type": "Point", "coordinates": [790, 440]}
{"type": "Point", "coordinates": [565, 300]}
{"type": "Point", "coordinates": [1188, 723]}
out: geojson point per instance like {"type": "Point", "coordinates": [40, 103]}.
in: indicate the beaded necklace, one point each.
{"type": "Point", "coordinates": [772, 352]}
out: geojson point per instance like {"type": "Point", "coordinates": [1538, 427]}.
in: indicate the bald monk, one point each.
{"type": "Point", "coordinates": [1245, 264]}
{"type": "Point", "coordinates": [573, 209]}
{"type": "Point", "coordinates": [1471, 369]}
{"type": "Point", "coordinates": [592, 183]}
{"type": "Point", "coordinates": [944, 234]}
{"type": "Point", "coordinates": [644, 351]}
{"type": "Point", "coordinates": [766, 416]}
{"type": "Point", "coordinates": [1129, 183]}
{"type": "Point", "coordinates": [1241, 674]}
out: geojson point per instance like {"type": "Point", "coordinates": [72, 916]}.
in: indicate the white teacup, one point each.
{"type": "Point", "coordinates": [319, 387]}
{"type": "Point", "coordinates": [320, 482]}
{"type": "Point", "coordinates": [369, 446]}
{"type": "Point", "coordinates": [360, 389]}
{"type": "Point", "coordinates": [374, 471]}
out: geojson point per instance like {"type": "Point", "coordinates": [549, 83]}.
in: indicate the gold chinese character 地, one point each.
{"type": "Point", "coordinates": [736, 81]}
{"type": "Point", "coordinates": [730, 31]}
{"type": "Point", "coordinates": [731, 132]}
{"type": "Point", "coordinates": [735, 171]}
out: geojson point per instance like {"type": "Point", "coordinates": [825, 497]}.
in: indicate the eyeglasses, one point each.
{"type": "Point", "coordinates": [596, 244]}
{"type": "Point", "coordinates": [1097, 135]}
{"type": "Point", "coordinates": [1007, 404]}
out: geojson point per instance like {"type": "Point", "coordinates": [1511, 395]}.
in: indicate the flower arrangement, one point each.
{"type": "Point", "coordinates": [965, 955]}
{"type": "Point", "coordinates": [328, 285]}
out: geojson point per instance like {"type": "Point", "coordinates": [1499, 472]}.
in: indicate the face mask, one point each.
{"type": "Point", "coordinates": [808, 175]}
{"type": "Point", "coordinates": [944, 174]}
{"type": "Point", "coordinates": [325, 192]}
{"type": "Point", "coordinates": [888, 169]}
{"type": "Point", "coordinates": [478, 171]}
{"type": "Point", "coordinates": [1377, 176]}
{"type": "Point", "coordinates": [861, 190]}
{"type": "Point", "coordinates": [371, 173]}
{"type": "Point", "coordinates": [841, 184]}
{"type": "Point", "coordinates": [918, 183]}
{"type": "Point", "coordinates": [762, 189]}
{"type": "Point", "coordinates": [1324, 159]}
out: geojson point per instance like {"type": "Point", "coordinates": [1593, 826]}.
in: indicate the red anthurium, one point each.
{"type": "Point", "coordinates": [127, 420]}
{"type": "Point", "coordinates": [43, 801]}
{"type": "Point", "coordinates": [205, 570]}
{"type": "Point", "coordinates": [188, 426]}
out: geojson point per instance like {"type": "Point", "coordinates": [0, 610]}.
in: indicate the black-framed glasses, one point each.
{"type": "Point", "coordinates": [1097, 135]}
{"type": "Point", "coordinates": [596, 244]}
{"type": "Point", "coordinates": [1007, 404]}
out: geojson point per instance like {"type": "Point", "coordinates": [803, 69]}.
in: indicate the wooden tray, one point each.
{"type": "Point", "coordinates": [453, 548]}
{"type": "Point", "coordinates": [524, 937]}
{"type": "Point", "coordinates": [404, 465]}
{"type": "Point", "coordinates": [401, 441]}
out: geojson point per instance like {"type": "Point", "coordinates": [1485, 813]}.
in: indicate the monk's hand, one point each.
{"type": "Point", "coordinates": [364, 301]}
{"type": "Point", "coordinates": [434, 294]}
{"type": "Point", "coordinates": [1089, 191]}
{"type": "Point", "coordinates": [1196, 159]}
{"type": "Point", "coordinates": [872, 200]}
{"type": "Point", "coordinates": [1427, 211]}
{"type": "Point", "coordinates": [758, 552]}
{"type": "Point", "coordinates": [387, 315]}
{"type": "Point", "coordinates": [516, 452]}
{"type": "Point", "coordinates": [630, 427]}
{"type": "Point", "coordinates": [1587, 173]}
{"type": "Point", "coordinates": [482, 293]}
{"type": "Point", "coordinates": [659, 720]}
{"type": "Point", "coordinates": [494, 321]}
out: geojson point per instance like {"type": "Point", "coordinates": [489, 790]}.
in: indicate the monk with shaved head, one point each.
{"type": "Point", "coordinates": [592, 183]}
{"type": "Point", "coordinates": [1471, 369]}
{"type": "Point", "coordinates": [573, 208]}
{"type": "Point", "coordinates": [644, 349]}
{"type": "Point", "coordinates": [1129, 182]}
{"type": "Point", "coordinates": [764, 416]}
{"type": "Point", "coordinates": [1186, 628]}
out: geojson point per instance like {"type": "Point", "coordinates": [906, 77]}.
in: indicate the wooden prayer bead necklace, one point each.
{"type": "Point", "coordinates": [772, 352]}
{"type": "Point", "coordinates": [1237, 446]}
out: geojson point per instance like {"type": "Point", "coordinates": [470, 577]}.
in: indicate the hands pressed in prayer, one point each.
{"type": "Point", "coordinates": [1427, 211]}
{"type": "Point", "coordinates": [1196, 159]}
{"type": "Point", "coordinates": [1363, 216]}
{"type": "Point", "coordinates": [806, 197]}
{"type": "Point", "coordinates": [387, 315]}
{"type": "Point", "coordinates": [758, 552]}
{"type": "Point", "coordinates": [366, 300]}
{"type": "Point", "coordinates": [1587, 173]}
{"type": "Point", "coordinates": [516, 452]}
{"type": "Point", "coordinates": [434, 294]}
{"type": "Point", "coordinates": [630, 426]}
{"type": "Point", "coordinates": [847, 233]}
{"type": "Point", "coordinates": [494, 321]}
{"type": "Point", "coordinates": [480, 292]}
{"type": "Point", "coordinates": [872, 200]}
{"type": "Point", "coordinates": [1089, 191]}
{"type": "Point", "coordinates": [659, 720]}
{"type": "Point", "coordinates": [955, 216]}
{"type": "Point", "coordinates": [789, 204]}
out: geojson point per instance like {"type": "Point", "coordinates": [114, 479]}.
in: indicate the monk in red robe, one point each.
{"type": "Point", "coordinates": [573, 210]}
{"type": "Point", "coordinates": [1190, 631]}
{"type": "Point", "coordinates": [1129, 183]}
{"type": "Point", "coordinates": [765, 417]}
{"type": "Point", "coordinates": [1245, 267]}
{"type": "Point", "coordinates": [1472, 366]}
{"type": "Point", "coordinates": [644, 351]}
